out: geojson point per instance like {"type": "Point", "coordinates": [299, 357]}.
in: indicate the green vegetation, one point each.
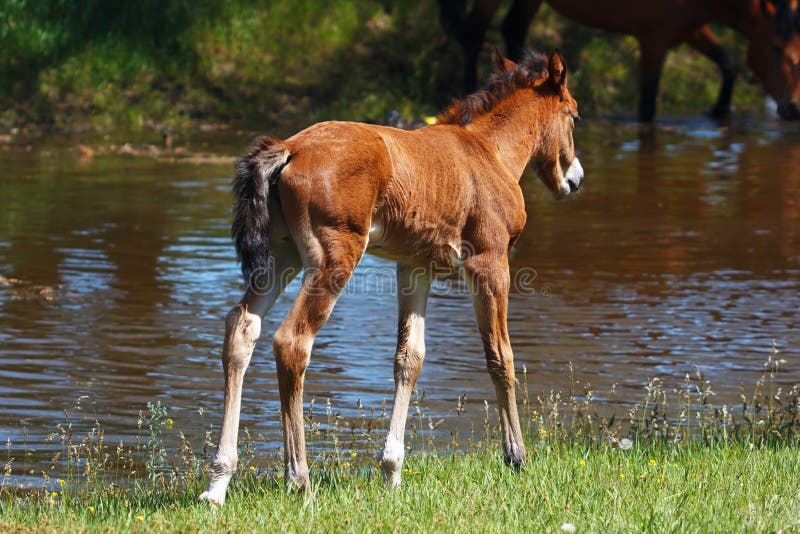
{"type": "Point", "coordinates": [676, 463]}
{"type": "Point", "coordinates": [652, 489]}
{"type": "Point", "coordinates": [287, 63]}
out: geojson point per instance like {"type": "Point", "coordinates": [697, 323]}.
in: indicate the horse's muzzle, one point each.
{"type": "Point", "coordinates": [789, 111]}
{"type": "Point", "coordinates": [574, 176]}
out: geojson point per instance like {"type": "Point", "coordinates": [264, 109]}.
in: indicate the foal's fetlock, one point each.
{"type": "Point", "coordinates": [296, 477]}
{"type": "Point", "coordinates": [514, 456]}
{"type": "Point", "coordinates": [392, 462]}
{"type": "Point", "coordinates": [220, 473]}
{"type": "Point", "coordinates": [223, 466]}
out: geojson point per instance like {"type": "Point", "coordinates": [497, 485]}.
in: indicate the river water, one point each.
{"type": "Point", "coordinates": [117, 270]}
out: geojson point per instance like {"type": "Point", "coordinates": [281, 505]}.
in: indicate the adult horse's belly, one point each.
{"type": "Point", "coordinates": [621, 16]}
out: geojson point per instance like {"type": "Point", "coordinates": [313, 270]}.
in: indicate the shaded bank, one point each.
{"type": "Point", "coordinates": [165, 63]}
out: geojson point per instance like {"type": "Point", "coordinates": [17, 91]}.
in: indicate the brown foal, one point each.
{"type": "Point", "coordinates": [441, 199]}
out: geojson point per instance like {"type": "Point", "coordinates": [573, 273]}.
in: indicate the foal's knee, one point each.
{"type": "Point", "coordinates": [242, 330]}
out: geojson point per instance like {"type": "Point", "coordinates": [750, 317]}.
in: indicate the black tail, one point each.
{"type": "Point", "coordinates": [256, 173]}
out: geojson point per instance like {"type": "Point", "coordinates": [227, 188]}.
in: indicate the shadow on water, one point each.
{"type": "Point", "coordinates": [683, 250]}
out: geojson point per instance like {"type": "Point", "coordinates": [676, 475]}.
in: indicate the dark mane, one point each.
{"type": "Point", "coordinates": [500, 86]}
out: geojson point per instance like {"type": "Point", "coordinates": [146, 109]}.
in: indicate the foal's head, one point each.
{"type": "Point", "coordinates": [553, 116]}
{"type": "Point", "coordinates": [553, 158]}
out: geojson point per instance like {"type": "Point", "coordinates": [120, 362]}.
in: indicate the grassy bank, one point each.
{"type": "Point", "coordinates": [286, 63]}
{"type": "Point", "coordinates": [644, 489]}
{"type": "Point", "coordinates": [674, 462]}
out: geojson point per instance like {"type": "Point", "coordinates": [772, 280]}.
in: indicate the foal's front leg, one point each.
{"type": "Point", "coordinates": [489, 279]}
{"type": "Point", "coordinates": [413, 286]}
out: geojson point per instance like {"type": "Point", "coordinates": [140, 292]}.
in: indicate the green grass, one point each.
{"type": "Point", "coordinates": [598, 489]}
{"type": "Point", "coordinates": [676, 463]}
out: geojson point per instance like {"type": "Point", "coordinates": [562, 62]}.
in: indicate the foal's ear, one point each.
{"type": "Point", "coordinates": [558, 72]}
{"type": "Point", "coordinates": [503, 64]}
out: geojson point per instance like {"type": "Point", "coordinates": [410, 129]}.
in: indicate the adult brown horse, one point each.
{"type": "Point", "coordinates": [772, 27]}
{"type": "Point", "coordinates": [441, 199]}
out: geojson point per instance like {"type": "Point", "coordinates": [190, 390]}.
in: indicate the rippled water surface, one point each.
{"type": "Point", "coordinates": [683, 250]}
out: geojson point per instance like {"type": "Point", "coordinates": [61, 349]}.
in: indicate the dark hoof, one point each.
{"type": "Point", "coordinates": [719, 113]}
{"type": "Point", "coordinates": [515, 459]}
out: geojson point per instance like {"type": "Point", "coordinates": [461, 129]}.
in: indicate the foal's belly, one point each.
{"type": "Point", "coordinates": [443, 256]}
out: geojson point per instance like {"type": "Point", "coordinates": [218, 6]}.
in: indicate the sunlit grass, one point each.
{"type": "Point", "coordinates": [651, 488]}
{"type": "Point", "coordinates": [676, 462]}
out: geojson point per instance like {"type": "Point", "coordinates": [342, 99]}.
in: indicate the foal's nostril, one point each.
{"type": "Point", "coordinates": [573, 185]}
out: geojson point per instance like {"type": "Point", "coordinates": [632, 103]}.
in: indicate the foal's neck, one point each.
{"type": "Point", "coordinates": [512, 129]}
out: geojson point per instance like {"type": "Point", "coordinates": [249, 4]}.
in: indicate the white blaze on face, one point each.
{"type": "Point", "coordinates": [574, 175]}
{"type": "Point", "coordinates": [575, 171]}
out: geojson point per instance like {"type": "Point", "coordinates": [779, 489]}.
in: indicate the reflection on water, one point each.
{"type": "Point", "coordinates": [116, 273]}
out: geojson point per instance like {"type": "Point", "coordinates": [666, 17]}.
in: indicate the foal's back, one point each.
{"type": "Point", "coordinates": [413, 192]}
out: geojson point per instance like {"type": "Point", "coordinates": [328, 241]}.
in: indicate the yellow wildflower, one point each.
{"type": "Point", "coordinates": [353, 454]}
{"type": "Point", "coordinates": [168, 423]}
{"type": "Point", "coordinates": [140, 518]}
{"type": "Point", "coordinates": [60, 482]}
{"type": "Point", "coordinates": [653, 462]}
{"type": "Point", "coordinates": [583, 463]}
{"type": "Point", "coordinates": [622, 475]}
{"type": "Point", "coordinates": [91, 509]}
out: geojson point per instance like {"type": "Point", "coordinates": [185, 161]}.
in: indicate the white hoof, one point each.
{"type": "Point", "coordinates": [392, 462]}
{"type": "Point", "coordinates": [394, 480]}
{"type": "Point", "coordinates": [215, 498]}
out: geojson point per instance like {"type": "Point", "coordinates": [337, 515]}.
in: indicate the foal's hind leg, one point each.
{"type": "Point", "coordinates": [413, 286]}
{"type": "Point", "coordinates": [322, 284]}
{"type": "Point", "coordinates": [242, 330]}
{"type": "Point", "coordinates": [489, 279]}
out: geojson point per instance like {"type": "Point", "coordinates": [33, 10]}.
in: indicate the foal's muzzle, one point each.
{"type": "Point", "coordinates": [573, 178]}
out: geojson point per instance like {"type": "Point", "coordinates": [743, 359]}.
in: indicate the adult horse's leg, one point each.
{"type": "Point", "coordinates": [489, 279]}
{"type": "Point", "coordinates": [651, 62]}
{"type": "Point", "coordinates": [469, 29]}
{"type": "Point", "coordinates": [705, 42]}
{"type": "Point", "coordinates": [413, 286]}
{"type": "Point", "coordinates": [515, 25]}
{"type": "Point", "coordinates": [242, 330]}
{"type": "Point", "coordinates": [323, 281]}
